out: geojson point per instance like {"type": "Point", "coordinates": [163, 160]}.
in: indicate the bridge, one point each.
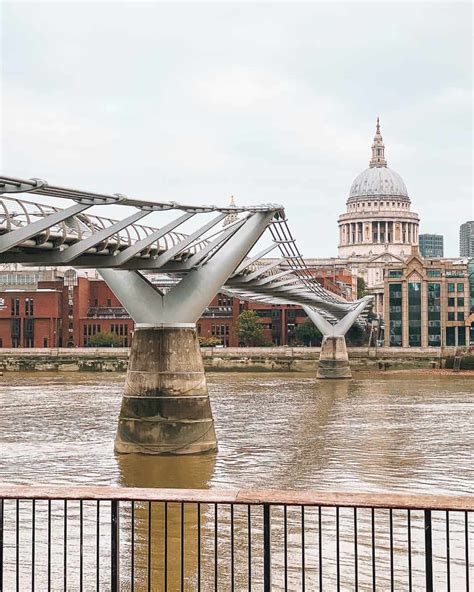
{"type": "Point", "coordinates": [204, 249]}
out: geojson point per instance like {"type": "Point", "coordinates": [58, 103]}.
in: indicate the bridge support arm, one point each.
{"type": "Point", "coordinates": [185, 302]}
{"type": "Point", "coordinates": [165, 405]}
{"type": "Point", "coordinates": [333, 359]}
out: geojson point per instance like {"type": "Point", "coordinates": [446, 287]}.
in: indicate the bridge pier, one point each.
{"type": "Point", "coordinates": [333, 359]}
{"type": "Point", "coordinates": [165, 406]}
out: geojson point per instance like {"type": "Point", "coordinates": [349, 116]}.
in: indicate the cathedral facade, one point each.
{"type": "Point", "coordinates": [378, 219]}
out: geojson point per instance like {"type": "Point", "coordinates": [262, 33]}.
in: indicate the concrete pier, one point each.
{"type": "Point", "coordinates": [165, 405]}
{"type": "Point", "coordinates": [333, 359]}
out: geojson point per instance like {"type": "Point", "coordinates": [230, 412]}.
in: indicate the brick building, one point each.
{"type": "Point", "coordinates": [66, 308]}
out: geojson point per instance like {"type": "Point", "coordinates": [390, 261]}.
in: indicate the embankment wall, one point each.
{"type": "Point", "coordinates": [222, 359]}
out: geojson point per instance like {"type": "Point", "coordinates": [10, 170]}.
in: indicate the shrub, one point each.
{"type": "Point", "coordinates": [209, 341]}
{"type": "Point", "coordinates": [307, 333]}
{"type": "Point", "coordinates": [106, 339]}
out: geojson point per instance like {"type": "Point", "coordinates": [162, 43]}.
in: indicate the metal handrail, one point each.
{"type": "Point", "coordinates": [407, 501]}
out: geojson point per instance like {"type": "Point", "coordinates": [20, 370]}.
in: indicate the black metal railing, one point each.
{"type": "Point", "coordinates": [151, 539]}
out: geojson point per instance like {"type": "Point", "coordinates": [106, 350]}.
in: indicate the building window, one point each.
{"type": "Point", "coordinates": [460, 301]}
{"type": "Point", "coordinates": [451, 316]}
{"type": "Point", "coordinates": [45, 342]}
{"type": "Point", "coordinates": [460, 287]}
{"type": "Point", "coordinates": [433, 273]}
{"type": "Point", "coordinates": [414, 314]}
{"type": "Point", "coordinates": [395, 273]}
{"type": "Point", "coordinates": [451, 301]}
{"type": "Point", "coordinates": [15, 307]}
{"type": "Point", "coordinates": [223, 300]}
{"type": "Point", "coordinates": [109, 302]}
{"type": "Point", "coordinates": [451, 287]}
{"type": "Point", "coordinates": [460, 316]}
{"type": "Point", "coordinates": [434, 315]}
{"type": "Point", "coordinates": [450, 336]}
{"type": "Point", "coordinates": [461, 336]}
{"type": "Point", "coordinates": [28, 332]}
{"type": "Point", "coordinates": [16, 331]}
{"type": "Point", "coordinates": [29, 311]}
{"type": "Point", "coordinates": [395, 314]}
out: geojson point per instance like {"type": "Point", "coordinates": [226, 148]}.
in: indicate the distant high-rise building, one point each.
{"type": "Point", "coordinates": [431, 245]}
{"type": "Point", "coordinates": [466, 239]}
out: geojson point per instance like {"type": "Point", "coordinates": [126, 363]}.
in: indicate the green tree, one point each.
{"type": "Point", "coordinates": [106, 339]}
{"type": "Point", "coordinates": [248, 329]}
{"type": "Point", "coordinates": [308, 333]}
{"type": "Point", "coordinates": [361, 287]}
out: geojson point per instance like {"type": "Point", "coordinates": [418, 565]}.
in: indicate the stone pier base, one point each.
{"type": "Point", "coordinates": [165, 405]}
{"type": "Point", "coordinates": [333, 359]}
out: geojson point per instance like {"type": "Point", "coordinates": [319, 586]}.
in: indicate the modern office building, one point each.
{"type": "Point", "coordinates": [466, 239]}
{"type": "Point", "coordinates": [431, 246]}
{"type": "Point", "coordinates": [427, 303]}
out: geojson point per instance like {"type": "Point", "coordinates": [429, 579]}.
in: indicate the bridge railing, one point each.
{"type": "Point", "coordinates": [112, 538]}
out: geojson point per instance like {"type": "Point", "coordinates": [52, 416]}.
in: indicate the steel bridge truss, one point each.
{"type": "Point", "coordinates": [214, 256]}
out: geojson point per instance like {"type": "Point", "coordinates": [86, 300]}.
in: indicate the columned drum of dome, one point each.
{"type": "Point", "coordinates": [378, 217]}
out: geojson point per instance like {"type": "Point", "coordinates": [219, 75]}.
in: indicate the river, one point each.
{"type": "Point", "coordinates": [399, 432]}
{"type": "Point", "coordinates": [395, 432]}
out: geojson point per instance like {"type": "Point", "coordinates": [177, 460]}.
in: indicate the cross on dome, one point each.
{"type": "Point", "coordinates": [378, 149]}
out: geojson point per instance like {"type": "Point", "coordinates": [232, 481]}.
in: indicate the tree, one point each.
{"type": "Point", "coordinates": [106, 339]}
{"type": "Point", "coordinates": [308, 333]}
{"type": "Point", "coordinates": [248, 329]}
{"type": "Point", "coordinates": [361, 287]}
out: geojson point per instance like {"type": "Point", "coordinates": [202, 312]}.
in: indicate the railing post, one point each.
{"type": "Point", "coordinates": [115, 546]}
{"type": "Point", "coordinates": [267, 549]}
{"type": "Point", "coordinates": [428, 552]}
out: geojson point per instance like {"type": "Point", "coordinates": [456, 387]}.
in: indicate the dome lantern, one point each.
{"type": "Point", "coordinates": [378, 149]}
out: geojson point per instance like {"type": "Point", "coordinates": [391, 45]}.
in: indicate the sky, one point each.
{"type": "Point", "coordinates": [269, 102]}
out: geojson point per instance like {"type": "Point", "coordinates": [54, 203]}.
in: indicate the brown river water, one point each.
{"type": "Point", "coordinates": [380, 432]}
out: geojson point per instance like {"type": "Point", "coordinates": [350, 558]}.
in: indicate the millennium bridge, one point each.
{"type": "Point", "coordinates": [160, 539]}
{"type": "Point", "coordinates": [165, 407]}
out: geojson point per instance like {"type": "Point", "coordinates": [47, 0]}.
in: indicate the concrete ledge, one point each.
{"type": "Point", "coordinates": [252, 359]}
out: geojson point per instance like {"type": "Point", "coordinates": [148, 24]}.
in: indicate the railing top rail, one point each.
{"type": "Point", "coordinates": [14, 185]}
{"type": "Point", "coordinates": [243, 496]}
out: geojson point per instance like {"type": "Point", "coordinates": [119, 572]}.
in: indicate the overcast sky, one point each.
{"type": "Point", "coordinates": [268, 102]}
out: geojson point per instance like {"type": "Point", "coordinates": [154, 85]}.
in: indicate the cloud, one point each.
{"type": "Point", "coordinates": [269, 102]}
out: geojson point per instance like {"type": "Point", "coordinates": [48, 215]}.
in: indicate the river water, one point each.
{"type": "Point", "coordinates": [380, 432]}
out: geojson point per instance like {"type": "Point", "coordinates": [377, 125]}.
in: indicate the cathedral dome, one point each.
{"type": "Point", "coordinates": [378, 219]}
{"type": "Point", "coordinates": [378, 181]}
